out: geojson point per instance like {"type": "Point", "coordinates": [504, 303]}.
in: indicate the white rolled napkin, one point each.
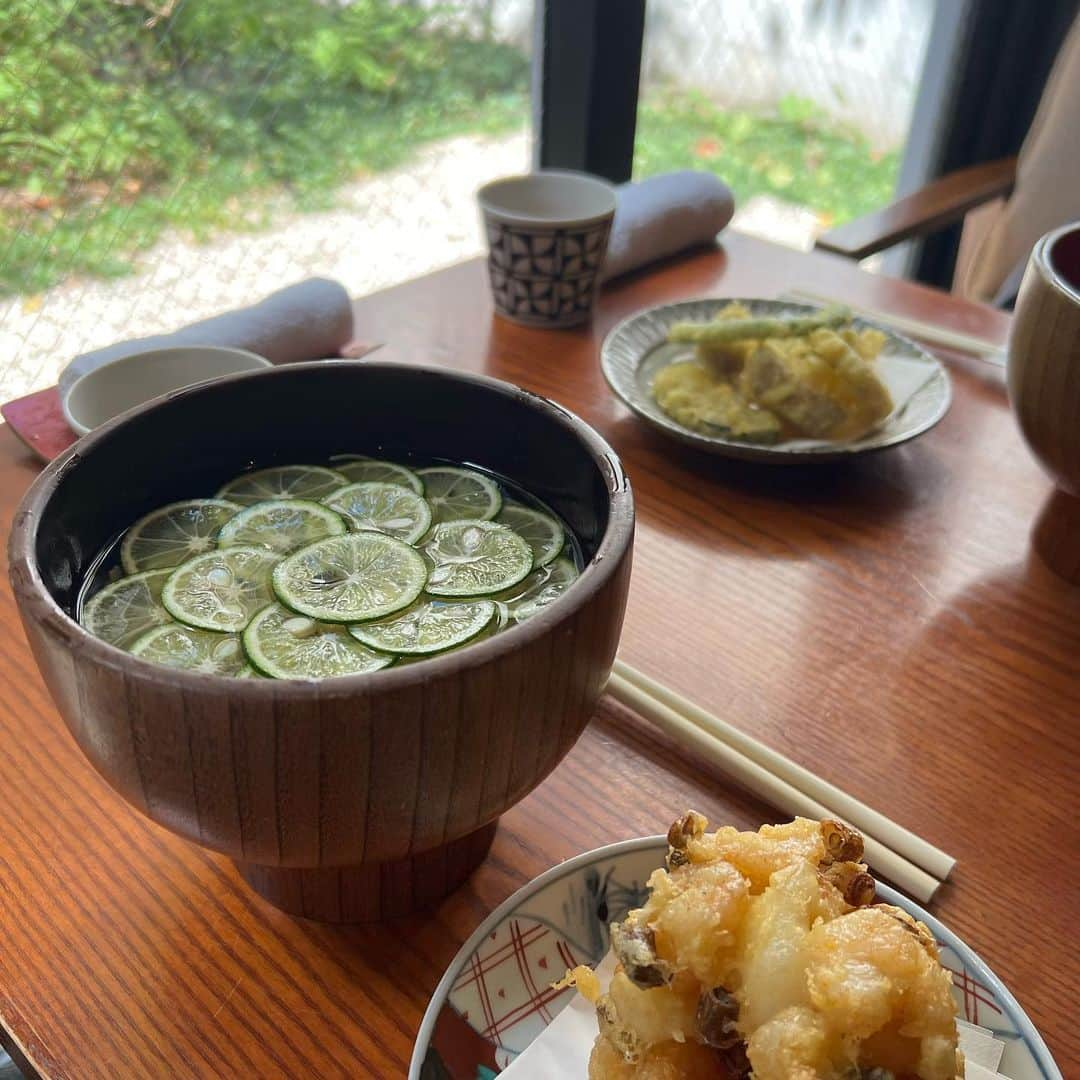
{"type": "Point", "coordinates": [664, 215]}
{"type": "Point", "coordinates": [307, 321]}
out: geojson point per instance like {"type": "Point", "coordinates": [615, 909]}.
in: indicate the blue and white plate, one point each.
{"type": "Point", "coordinates": [496, 996]}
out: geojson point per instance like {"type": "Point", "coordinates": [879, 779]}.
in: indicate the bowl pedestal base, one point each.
{"type": "Point", "coordinates": [371, 892]}
{"type": "Point", "coordinates": [1057, 535]}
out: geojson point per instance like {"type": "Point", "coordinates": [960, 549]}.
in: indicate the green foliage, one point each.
{"type": "Point", "coordinates": [119, 122]}
{"type": "Point", "coordinates": [796, 154]}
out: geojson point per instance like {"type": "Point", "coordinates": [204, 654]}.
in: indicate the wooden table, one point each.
{"type": "Point", "coordinates": [883, 622]}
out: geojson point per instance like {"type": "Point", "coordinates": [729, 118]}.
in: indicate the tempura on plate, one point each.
{"type": "Point", "coordinates": [767, 379]}
{"type": "Point", "coordinates": [765, 954]}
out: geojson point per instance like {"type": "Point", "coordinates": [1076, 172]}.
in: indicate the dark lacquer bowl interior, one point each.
{"type": "Point", "coordinates": [188, 443]}
{"type": "Point", "coordinates": [347, 773]}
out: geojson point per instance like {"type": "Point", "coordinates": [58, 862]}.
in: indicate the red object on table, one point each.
{"type": "Point", "coordinates": [39, 422]}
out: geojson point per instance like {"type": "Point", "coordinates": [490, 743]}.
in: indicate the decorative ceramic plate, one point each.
{"type": "Point", "coordinates": [496, 996]}
{"type": "Point", "coordinates": [636, 349]}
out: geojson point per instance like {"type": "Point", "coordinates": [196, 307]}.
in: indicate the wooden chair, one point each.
{"type": "Point", "coordinates": [939, 203]}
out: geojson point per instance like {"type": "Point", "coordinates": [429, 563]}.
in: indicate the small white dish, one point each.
{"type": "Point", "coordinates": [637, 348]}
{"type": "Point", "coordinates": [496, 997]}
{"type": "Point", "coordinates": [113, 388]}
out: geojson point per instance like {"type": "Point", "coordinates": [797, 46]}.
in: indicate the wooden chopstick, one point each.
{"type": "Point", "coordinates": [906, 843]}
{"type": "Point", "coordinates": [754, 766]}
{"type": "Point", "coordinates": [916, 328]}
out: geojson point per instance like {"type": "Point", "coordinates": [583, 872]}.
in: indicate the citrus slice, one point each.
{"type": "Point", "coordinates": [428, 627]}
{"type": "Point", "coordinates": [474, 558]}
{"type": "Point", "coordinates": [459, 494]}
{"type": "Point", "coordinates": [196, 650]}
{"type": "Point", "coordinates": [125, 610]}
{"type": "Point", "coordinates": [172, 534]}
{"type": "Point", "coordinates": [285, 645]}
{"type": "Point", "coordinates": [543, 588]}
{"type": "Point", "coordinates": [351, 578]}
{"type": "Point", "coordinates": [386, 508]}
{"type": "Point", "coordinates": [281, 525]}
{"type": "Point", "coordinates": [283, 482]}
{"type": "Point", "coordinates": [362, 470]}
{"type": "Point", "coordinates": [540, 531]}
{"type": "Point", "coordinates": [220, 590]}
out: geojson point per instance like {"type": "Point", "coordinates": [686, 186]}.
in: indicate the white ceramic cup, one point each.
{"type": "Point", "coordinates": [111, 389]}
{"type": "Point", "coordinates": [547, 235]}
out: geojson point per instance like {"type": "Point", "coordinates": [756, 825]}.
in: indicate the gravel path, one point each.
{"type": "Point", "coordinates": [382, 230]}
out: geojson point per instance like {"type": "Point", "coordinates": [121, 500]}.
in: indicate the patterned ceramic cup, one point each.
{"type": "Point", "coordinates": [547, 235]}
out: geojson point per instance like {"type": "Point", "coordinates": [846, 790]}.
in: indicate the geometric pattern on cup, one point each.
{"type": "Point", "coordinates": [545, 275]}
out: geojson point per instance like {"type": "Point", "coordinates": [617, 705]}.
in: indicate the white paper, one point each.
{"type": "Point", "coordinates": [961, 1025]}
{"type": "Point", "coordinates": [566, 1043]}
{"type": "Point", "coordinates": [563, 1048]}
{"type": "Point", "coordinates": [974, 1071]}
{"type": "Point", "coordinates": [904, 376]}
{"type": "Point", "coordinates": [980, 1049]}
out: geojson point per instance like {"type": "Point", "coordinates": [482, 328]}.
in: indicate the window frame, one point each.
{"type": "Point", "coordinates": [589, 51]}
{"type": "Point", "coordinates": [586, 81]}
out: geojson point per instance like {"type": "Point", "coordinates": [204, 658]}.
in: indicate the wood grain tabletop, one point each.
{"type": "Point", "coordinates": [883, 622]}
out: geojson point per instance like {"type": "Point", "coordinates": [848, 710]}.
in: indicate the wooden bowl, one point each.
{"type": "Point", "coordinates": [1044, 388]}
{"type": "Point", "coordinates": [356, 798]}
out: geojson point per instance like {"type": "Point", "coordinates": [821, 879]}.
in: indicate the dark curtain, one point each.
{"type": "Point", "coordinates": [1004, 64]}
